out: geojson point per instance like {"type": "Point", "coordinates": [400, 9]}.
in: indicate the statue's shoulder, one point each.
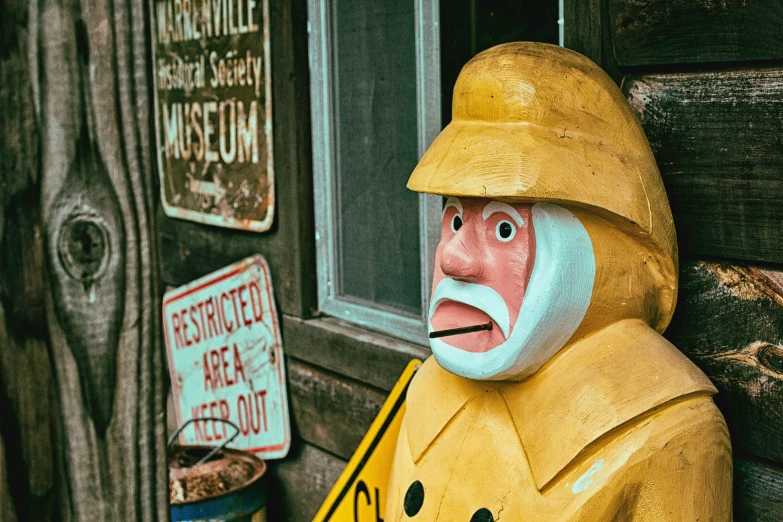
{"type": "Point", "coordinates": [597, 387]}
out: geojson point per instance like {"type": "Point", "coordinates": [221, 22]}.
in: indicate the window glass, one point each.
{"type": "Point", "coordinates": [376, 148]}
{"type": "Point", "coordinates": [381, 76]}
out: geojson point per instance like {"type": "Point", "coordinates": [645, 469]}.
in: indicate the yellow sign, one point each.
{"type": "Point", "coordinates": [359, 495]}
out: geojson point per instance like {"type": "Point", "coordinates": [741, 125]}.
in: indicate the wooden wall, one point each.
{"type": "Point", "coordinates": [705, 80]}
{"type": "Point", "coordinates": [81, 361]}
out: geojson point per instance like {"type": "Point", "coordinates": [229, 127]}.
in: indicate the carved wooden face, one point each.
{"type": "Point", "coordinates": [488, 248]}
{"type": "Point", "coordinates": [527, 269]}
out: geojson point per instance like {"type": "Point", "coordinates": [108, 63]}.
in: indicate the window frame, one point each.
{"type": "Point", "coordinates": [428, 103]}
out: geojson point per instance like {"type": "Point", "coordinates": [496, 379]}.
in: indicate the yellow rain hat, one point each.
{"type": "Point", "coordinates": [538, 122]}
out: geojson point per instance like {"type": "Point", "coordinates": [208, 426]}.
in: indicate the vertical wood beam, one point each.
{"type": "Point", "coordinates": [28, 464]}
{"type": "Point", "coordinates": [588, 30]}
{"type": "Point", "coordinates": [83, 435]}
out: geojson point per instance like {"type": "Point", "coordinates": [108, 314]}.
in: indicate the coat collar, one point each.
{"type": "Point", "coordinates": [592, 387]}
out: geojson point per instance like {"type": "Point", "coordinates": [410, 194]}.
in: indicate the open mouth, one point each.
{"type": "Point", "coordinates": [454, 314]}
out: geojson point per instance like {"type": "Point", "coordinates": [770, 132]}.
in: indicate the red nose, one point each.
{"type": "Point", "coordinates": [459, 262]}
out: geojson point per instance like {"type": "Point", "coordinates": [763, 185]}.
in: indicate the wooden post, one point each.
{"type": "Point", "coordinates": [79, 266]}
{"type": "Point", "coordinates": [28, 463]}
{"type": "Point", "coordinates": [587, 31]}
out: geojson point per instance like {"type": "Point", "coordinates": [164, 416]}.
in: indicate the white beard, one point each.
{"type": "Point", "coordinates": [554, 305]}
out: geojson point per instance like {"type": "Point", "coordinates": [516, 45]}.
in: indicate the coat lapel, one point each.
{"type": "Point", "coordinates": [594, 386]}
{"type": "Point", "coordinates": [435, 396]}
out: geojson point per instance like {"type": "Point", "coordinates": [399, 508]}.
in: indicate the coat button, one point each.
{"type": "Point", "coordinates": [482, 515]}
{"type": "Point", "coordinates": [414, 498]}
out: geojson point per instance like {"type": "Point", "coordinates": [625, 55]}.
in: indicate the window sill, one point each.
{"type": "Point", "coordinates": [353, 352]}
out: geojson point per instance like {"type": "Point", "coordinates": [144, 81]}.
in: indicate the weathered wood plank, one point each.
{"type": "Point", "coordinates": [653, 32]}
{"type": "Point", "coordinates": [587, 30]}
{"type": "Point", "coordinates": [716, 139]}
{"type": "Point", "coordinates": [758, 491]}
{"type": "Point", "coordinates": [331, 412]}
{"type": "Point", "coordinates": [360, 354]}
{"type": "Point", "coordinates": [91, 85]}
{"type": "Point", "coordinates": [28, 413]}
{"type": "Point", "coordinates": [468, 27]}
{"type": "Point", "coordinates": [7, 508]}
{"type": "Point", "coordinates": [190, 250]}
{"type": "Point", "coordinates": [293, 158]}
{"type": "Point", "coordinates": [28, 464]}
{"type": "Point", "coordinates": [729, 320]}
{"type": "Point", "coordinates": [299, 484]}
{"type": "Point", "coordinates": [582, 33]}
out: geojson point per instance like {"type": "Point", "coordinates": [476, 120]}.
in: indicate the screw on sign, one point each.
{"type": "Point", "coordinates": [226, 359]}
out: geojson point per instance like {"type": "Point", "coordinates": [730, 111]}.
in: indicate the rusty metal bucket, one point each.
{"type": "Point", "coordinates": [209, 483]}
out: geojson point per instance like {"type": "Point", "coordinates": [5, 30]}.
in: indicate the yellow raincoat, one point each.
{"type": "Point", "coordinates": [619, 427]}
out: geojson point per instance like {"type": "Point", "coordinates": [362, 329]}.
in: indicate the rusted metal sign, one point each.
{"type": "Point", "coordinates": [226, 359]}
{"type": "Point", "coordinates": [213, 111]}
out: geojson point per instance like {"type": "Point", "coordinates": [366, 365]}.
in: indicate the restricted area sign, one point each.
{"type": "Point", "coordinates": [226, 359]}
{"type": "Point", "coordinates": [359, 495]}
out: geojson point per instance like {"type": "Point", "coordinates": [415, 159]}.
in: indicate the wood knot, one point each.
{"type": "Point", "coordinates": [83, 247]}
{"type": "Point", "coordinates": [771, 356]}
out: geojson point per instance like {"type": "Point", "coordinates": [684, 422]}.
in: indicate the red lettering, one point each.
{"type": "Point", "coordinates": [255, 420]}
{"type": "Point", "coordinates": [251, 411]}
{"type": "Point", "coordinates": [197, 424]}
{"type": "Point", "coordinates": [178, 340]}
{"type": "Point", "coordinates": [215, 409]}
{"type": "Point", "coordinates": [224, 414]}
{"type": "Point", "coordinates": [201, 314]}
{"type": "Point", "coordinates": [243, 305]}
{"type": "Point", "coordinates": [212, 413]}
{"type": "Point", "coordinates": [203, 414]}
{"type": "Point", "coordinates": [233, 293]}
{"type": "Point", "coordinates": [244, 429]}
{"type": "Point", "coordinates": [183, 313]}
{"type": "Point", "coordinates": [214, 358]}
{"type": "Point", "coordinates": [213, 328]}
{"type": "Point", "coordinates": [197, 335]}
{"type": "Point", "coordinates": [222, 312]}
{"type": "Point", "coordinates": [220, 321]}
{"type": "Point", "coordinates": [255, 301]}
{"type": "Point", "coordinates": [207, 375]}
{"type": "Point", "coordinates": [224, 364]}
{"type": "Point", "coordinates": [216, 366]}
{"type": "Point", "coordinates": [262, 395]}
{"type": "Point", "coordinates": [239, 368]}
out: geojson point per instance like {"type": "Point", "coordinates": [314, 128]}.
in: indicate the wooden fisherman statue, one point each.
{"type": "Point", "coordinates": [564, 403]}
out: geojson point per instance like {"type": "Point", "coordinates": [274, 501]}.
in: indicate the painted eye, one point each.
{"type": "Point", "coordinates": [456, 223]}
{"type": "Point", "coordinates": [505, 231]}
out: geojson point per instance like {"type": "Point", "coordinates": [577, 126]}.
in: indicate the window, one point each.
{"type": "Point", "coordinates": [376, 69]}
{"type": "Point", "coordinates": [376, 102]}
